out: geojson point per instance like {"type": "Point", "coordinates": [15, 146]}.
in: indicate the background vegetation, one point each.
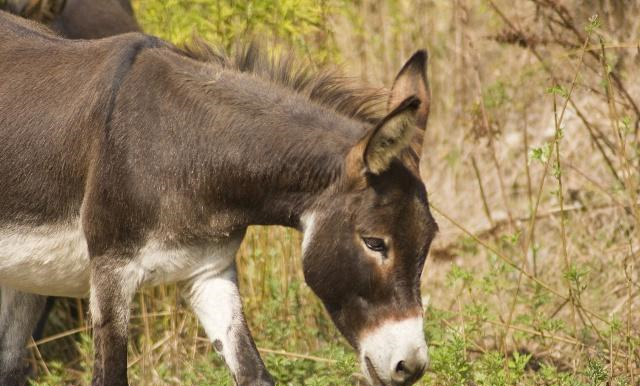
{"type": "Point", "coordinates": [531, 161]}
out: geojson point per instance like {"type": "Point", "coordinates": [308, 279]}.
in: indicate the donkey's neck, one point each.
{"type": "Point", "coordinates": [253, 151]}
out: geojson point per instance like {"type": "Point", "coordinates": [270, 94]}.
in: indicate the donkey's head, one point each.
{"type": "Point", "coordinates": [366, 240]}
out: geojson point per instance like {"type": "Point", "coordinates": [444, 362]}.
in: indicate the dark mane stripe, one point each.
{"type": "Point", "coordinates": [326, 87]}
{"type": "Point", "coordinates": [128, 57]}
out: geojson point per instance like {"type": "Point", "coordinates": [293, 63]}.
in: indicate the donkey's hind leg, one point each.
{"type": "Point", "coordinates": [19, 314]}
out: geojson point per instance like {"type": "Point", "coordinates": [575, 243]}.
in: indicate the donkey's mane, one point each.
{"type": "Point", "coordinates": [324, 86]}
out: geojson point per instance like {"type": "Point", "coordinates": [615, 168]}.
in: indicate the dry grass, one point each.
{"type": "Point", "coordinates": [531, 162]}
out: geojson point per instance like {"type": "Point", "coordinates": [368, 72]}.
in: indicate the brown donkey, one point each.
{"type": "Point", "coordinates": [126, 162]}
{"type": "Point", "coordinates": [79, 19]}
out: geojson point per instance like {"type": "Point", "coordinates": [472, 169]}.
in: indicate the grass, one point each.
{"type": "Point", "coordinates": [531, 161]}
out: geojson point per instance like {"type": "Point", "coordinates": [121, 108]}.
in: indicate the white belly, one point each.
{"type": "Point", "coordinates": [47, 259]}
{"type": "Point", "coordinates": [54, 260]}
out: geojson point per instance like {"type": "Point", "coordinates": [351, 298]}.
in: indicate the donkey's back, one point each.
{"type": "Point", "coordinates": [55, 96]}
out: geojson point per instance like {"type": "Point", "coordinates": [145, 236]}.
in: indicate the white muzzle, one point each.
{"type": "Point", "coordinates": [395, 353]}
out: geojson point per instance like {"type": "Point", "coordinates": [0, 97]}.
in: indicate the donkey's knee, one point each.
{"type": "Point", "coordinates": [19, 314]}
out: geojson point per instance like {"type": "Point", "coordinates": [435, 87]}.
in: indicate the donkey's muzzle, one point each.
{"type": "Point", "coordinates": [395, 353]}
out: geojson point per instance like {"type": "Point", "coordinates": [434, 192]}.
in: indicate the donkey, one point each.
{"type": "Point", "coordinates": [126, 162]}
{"type": "Point", "coordinates": [79, 19]}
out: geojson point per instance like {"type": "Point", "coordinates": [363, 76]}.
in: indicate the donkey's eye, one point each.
{"type": "Point", "coordinates": [375, 244]}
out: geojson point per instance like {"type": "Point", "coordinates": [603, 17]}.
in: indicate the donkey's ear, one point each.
{"type": "Point", "coordinates": [391, 136]}
{"type": "Point", "coordinates": [412, 81]}
{"type": "Point", "coordinates": [402, 127]}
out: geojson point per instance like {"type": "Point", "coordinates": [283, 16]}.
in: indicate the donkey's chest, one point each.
{"type": "Point", "coordinates": [54, 260]}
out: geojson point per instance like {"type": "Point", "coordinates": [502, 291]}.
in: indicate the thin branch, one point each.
{"type": "Point", "coordinates": [512, 264]}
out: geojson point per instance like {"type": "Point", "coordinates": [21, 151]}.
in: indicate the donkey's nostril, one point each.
{"type": "Point", "coordinates": [401, 367]}
{"type": "Point", "coordinates": [403, 373]}
{"type": "Point", "coordinates": [408, 370]}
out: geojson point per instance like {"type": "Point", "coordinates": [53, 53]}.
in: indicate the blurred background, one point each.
{"type": "Point", "coordinates": [531, 162]}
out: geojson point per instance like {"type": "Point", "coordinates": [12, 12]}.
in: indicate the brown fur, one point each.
{"type": "Point", "coordinates": [92, 19]}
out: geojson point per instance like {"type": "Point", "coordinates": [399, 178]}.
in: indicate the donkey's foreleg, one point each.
{"type": "Point", "coordinates": [216, 301]}
{"type": "Point", "coordinates": [113, 286]}
{"type": "Point", "coordinates": [19, 313]}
